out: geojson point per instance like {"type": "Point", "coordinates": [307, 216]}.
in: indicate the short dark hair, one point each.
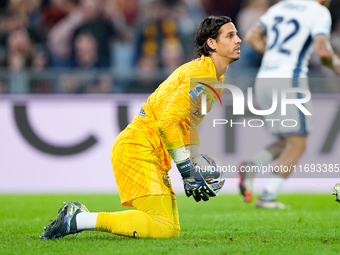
{"type": "Point", "coordinates": [209, 28]}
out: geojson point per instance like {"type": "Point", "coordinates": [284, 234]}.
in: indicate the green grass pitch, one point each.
{"type": "Point", "coordinates": [223, 225]}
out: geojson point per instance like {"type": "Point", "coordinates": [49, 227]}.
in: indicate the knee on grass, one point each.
{"type": "Point", "coordinates": [162, 231]}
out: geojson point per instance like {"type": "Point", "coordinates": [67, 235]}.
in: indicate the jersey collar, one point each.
{"type": "Point", "coordinates": [210, 64]}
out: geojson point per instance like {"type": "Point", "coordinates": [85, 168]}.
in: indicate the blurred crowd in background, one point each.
{"type": "Point", "coordinates": [117, 46]}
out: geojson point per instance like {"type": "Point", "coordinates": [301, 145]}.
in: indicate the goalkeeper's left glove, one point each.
{"type": "Point", "coordinates": [194, 184]}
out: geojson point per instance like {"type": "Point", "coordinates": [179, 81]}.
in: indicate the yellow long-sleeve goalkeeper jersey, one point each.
{"type": "Point", "coordinates": [173, 111]}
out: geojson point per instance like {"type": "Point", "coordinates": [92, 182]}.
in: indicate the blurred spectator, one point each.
{"type": "Point", "coordinates": [59, 38]}
{"type": "Point", "coordinates": [127, 8]}
{"type": "Point", "coordinates": [250, 14]}
{"type": "Point", "coordinates": [103, 30]}
{"type": "Point", "coordinates": [20, 56]}
{"type": "Point", "coordinates": [146, 71]}
{"type": "Point", "coordinates": [148, 76]}
{"type": "Point", "coordinates": [102, 19]}
{"type": "Point", "coordinates": [157, 29]}
{"type": "Point", "coordinates": [39, 63]}
{"type": "Point", "coordinates": [86, 60]}
{"type": "Point", "coordinates": [17, 58]}
{"type": "Point", "coordinates": [52, 14]}
{"type": "Point", "coordinates": [32, 10]}
{"type": "Point", "coordinates": [19, 15]}
{"type": "Point", "coordinates": [19, 51]}
{"type": "Point", "coordinates": [17, 8]}
{"type": "Point", "coordinates": [28, 11]}
{"type": "Point", "coordinates": [113, 13]}
{"type": "Point", "coordinates": [188, 15]}
{"type": "Point", "coordinates": [151, 37]}
{"type": "Point", "coordinates": [172, 55]}
{"type": "Point", "coordinates": [86, 52]}
{"type": "Point", "coordinates": [10, 21]}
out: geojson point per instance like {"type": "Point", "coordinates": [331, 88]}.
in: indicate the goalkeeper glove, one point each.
{"type": "Point", "coordinates": [194, 183]}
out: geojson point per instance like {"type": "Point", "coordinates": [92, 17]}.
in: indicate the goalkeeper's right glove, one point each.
{"type": "Point", "coordinates": [194, 183]}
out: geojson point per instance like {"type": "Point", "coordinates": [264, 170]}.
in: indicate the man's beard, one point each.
{"type": "Point", "coordinates": [235, 58]}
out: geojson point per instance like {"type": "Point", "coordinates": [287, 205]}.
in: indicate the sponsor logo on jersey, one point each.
{"type": "Point", "coordinates": [195, 92]}
{"type": "Point", "coordinates": [142, 112]}
{"type": "Point", "coordinates": [166, 180]}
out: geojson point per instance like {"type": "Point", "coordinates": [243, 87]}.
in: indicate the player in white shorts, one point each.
{"type": "Point", "coordinates": [287, 34]}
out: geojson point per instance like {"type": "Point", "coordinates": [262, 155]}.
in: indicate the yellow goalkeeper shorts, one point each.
{"type": "Point", "coordinates": [140, 167]}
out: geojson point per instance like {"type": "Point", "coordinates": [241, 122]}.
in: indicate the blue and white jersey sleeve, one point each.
{"type": "Point", "coordinates": [322, 23]}
{"type": "Point", "coordinates": [291, 27]}
{"type": "Point", "coordinates": [265, 20]}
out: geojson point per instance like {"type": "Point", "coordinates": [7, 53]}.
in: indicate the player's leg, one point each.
{"type": "Point", "coordinates": [295, 140]}
{"type": "Point", "coordinates": [142, 183]}
{"type": "Point", "coordinates": [270, 153]}
{"type": "Point", "coordinates": [264, 97]}
{"type": "Point", "coordinates": [156, 217]}
{"type": "Point", "coordinates": [260, 158]}
{"type": "Point", "coordinates": [295, 146]}
{"type": "Point", "coordinates": [141, 175]}
{"type": "Point", "coordinates": [153, 218]}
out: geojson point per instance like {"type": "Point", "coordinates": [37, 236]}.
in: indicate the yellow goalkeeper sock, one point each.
{"type": "Point", "coordinates": [152, 219]}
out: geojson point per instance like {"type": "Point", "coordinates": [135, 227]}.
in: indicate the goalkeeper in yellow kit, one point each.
{"type": "Point", "coordinates": [165, 129]}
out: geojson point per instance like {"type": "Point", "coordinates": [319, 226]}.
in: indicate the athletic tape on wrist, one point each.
{"type": "Point", "coordinates": [194, 149]}
{"type": "Point", "coordinates": [179, 155]}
